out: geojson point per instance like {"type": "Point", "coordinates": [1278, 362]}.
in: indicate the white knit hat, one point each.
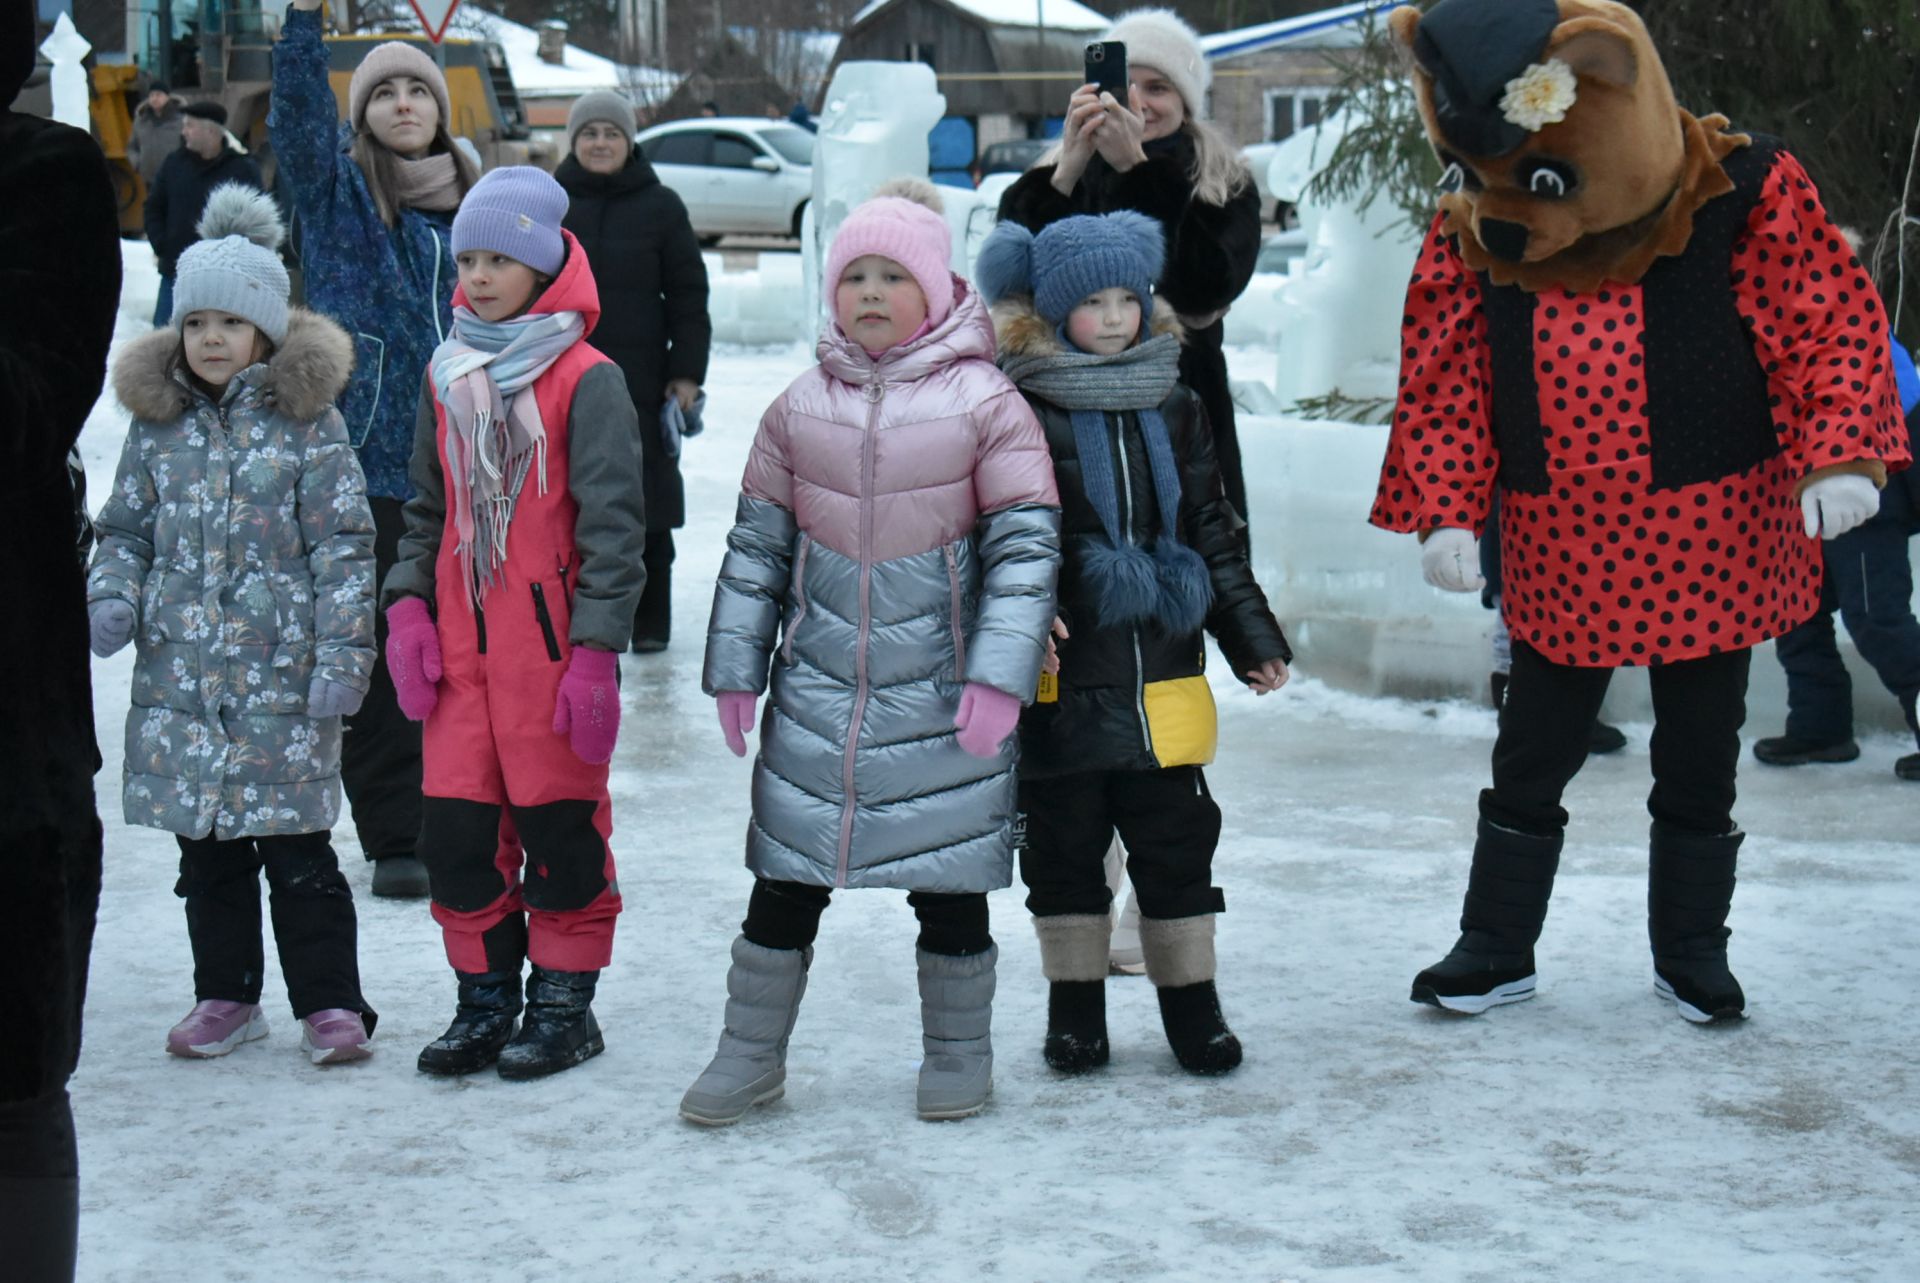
{"type": "Point", "coordinates": [235, 266]}
{"type": "Point", "coordinates": [1161, 39]}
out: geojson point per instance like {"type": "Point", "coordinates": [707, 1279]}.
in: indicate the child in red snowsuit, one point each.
{"type": "Point", "coordinates": [513, 597]}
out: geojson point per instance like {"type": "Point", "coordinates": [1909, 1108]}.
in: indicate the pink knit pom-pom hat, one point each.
{"type": "Point", "coordinates": [902, 221]}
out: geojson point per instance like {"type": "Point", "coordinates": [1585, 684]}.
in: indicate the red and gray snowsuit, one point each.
{"type": "Point", "coordinates": [501, 788]}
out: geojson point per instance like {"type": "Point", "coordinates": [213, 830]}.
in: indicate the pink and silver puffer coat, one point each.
{"type": "Point", "coordinates": [899, 531]}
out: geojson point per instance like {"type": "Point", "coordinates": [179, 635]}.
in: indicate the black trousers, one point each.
{"type": "Point", "coordinates": [653, 618]}
{"type": "Point", "coordinates": [1698, 708]}
{"type": "Point", "coordinates": [380, 752]}
{"type": "Point", "coordinates": [47, 918]}
{"type": "Point", "coordinates": [313, 921]}
{"type": "Point", "coordinates": [786, 915]}
{"type": "Point", "coordinates": [1167, 819]}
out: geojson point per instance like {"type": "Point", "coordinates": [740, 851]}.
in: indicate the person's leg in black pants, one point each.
{"type": "Point", "coordinates": [313, 925]}
{"type": "Point", "coordinates": [653, 618]}
{"type": "Point", "coordinates": [1698, 707]}
{"type": "Point", "coordinates": [1063, 864]}
{"type": "Point", "coordinates": [48, 917]}
{"type": "Point", "coordinates": [380, 752]}
{"type": "Point", "coordinates": [1819, 690]}
{"type": "Point", "coordinates": [1545, 726]}
{"type": "Point", "coordinates": [220, 883]}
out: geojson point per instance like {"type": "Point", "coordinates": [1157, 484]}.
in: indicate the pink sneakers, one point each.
{"type": "Point", "coordinates": [216, 1027]}
{"type": "Point", "coordinates": [335, 1036]}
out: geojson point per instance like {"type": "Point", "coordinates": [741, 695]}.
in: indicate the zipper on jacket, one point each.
{"type": "Point", "coordinates": [800, 598]}
{"type": "Point", "coordinates": [433, 299]}
{"type": "Point", "coordinates": [1126, 532]}
{"type": "Point", "coordinates": [546, 620]}
{"type": "Point", "coordinates": [480, 626]}
{"type": "Point", "coordinates": [874, 393]}
{"type": "Point", "coordinates": [959, 633]}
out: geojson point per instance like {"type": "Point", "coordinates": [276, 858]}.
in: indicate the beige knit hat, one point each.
{"type": "Point", "coordinates": [1161, 39]}
{"type": "Point", "coordinates": [384, 62]}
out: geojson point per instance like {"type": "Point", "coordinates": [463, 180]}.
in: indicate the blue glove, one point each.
{"type": "Point", "coordinates": [327, 698]}
{"type": "Point", "coordinates": [677, 424]}
{"type": "Point", "coordinates": [109, 626]}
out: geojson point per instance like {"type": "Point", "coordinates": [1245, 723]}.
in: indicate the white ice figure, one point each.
{"type": "Point", "coordinates": [1341, 323]}
{"type": "Point", "coordinates": [873, 128]}
{"type": "Point", "coordinates": [64, 48]}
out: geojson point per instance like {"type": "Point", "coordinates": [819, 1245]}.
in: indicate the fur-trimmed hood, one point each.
{"type": "Point", "coordinates": [302, 377]}
{"type": "Point", "coordinates": [1021, 331]}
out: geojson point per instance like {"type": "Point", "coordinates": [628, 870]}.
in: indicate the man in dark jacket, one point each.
{"type": "Point", "coordinates": [205, 159]}
{"type": "Point", "coordinates": [654, 323]}
{"type": "Point", "coordinates": [60, 269]}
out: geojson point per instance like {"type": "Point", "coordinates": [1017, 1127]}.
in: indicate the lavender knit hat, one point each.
{"type": "Point", "coordinates": [902, 222]}
{"type": "Point", "coordinates": [516, 211]}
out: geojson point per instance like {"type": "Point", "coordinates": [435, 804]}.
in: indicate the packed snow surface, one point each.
{"type": "Point", "coordinates": [1587, 1135]}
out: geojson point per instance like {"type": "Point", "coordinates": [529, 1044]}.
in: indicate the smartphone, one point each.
{"type": "Point", "coordinates": [1107, 68]}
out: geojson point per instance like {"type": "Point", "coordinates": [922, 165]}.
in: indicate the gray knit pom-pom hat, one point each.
{"type": "Point", "coordinates": [235, 266]}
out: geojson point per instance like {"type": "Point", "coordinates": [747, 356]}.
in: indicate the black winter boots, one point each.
{"type": "Point", "coordinates": [1073, 957]}
{"type": "Point", "coordinates": [482, 1024]}
{"type": "Point", "coordinates": [1506, 905]}
{"type": "Point", "coordinates": [1180, 963]}
{"type": "Point", "coordinates": [1689, 893]}
{"type": "Point", "coordinates": [559, 1030]}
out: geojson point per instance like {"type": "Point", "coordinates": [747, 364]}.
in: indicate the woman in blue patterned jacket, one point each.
{"type": "Point", "coordinates": [375, 200]}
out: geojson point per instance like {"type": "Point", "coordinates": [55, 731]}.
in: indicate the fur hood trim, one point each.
{"type": "Point", "coordinates": [1022, 332]}
{"type": "Point", "coordinates": [304, 376]}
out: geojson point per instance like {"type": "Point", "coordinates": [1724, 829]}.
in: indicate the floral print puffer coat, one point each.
{"type": "Point", "coordinates": [239, 532]}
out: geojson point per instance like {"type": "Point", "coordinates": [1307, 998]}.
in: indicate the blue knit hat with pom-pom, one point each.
{"type": "Point", "coordinates": [1068, 260]}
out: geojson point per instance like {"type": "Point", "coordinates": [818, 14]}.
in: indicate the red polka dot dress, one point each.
{"type": "Point", "coordinates": [1648, 476]}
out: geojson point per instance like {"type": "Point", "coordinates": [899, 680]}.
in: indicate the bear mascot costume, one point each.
{"type": "Point", "coordinates": [1642, 329]}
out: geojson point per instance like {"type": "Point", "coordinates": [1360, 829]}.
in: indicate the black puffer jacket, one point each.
{"type": "Point", "coordinates": [1211, 251]}
{"type": "Point", "coordinates": [179, 194]}
{"type": "Point", "coordinates": [1136, 699]}
{"type": "Point", "coordinates": [653, 300]}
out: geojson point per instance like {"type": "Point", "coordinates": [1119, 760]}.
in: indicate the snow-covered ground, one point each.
{"type": "Point", "coordinates": [1589, 1134]}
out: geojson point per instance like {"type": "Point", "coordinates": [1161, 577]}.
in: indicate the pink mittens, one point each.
{"type": "Point", "coordinates": [986, 717]}
{"type": "Point", "coordinates": [587, 708]}
{"type": "Point", "coordinates": [736, 717]}
{"type": "Point", "coordinates": [413, 657]}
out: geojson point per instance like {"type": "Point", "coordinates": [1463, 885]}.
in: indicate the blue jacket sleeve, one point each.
{"type": "Point", "coordinates": [304, 122]}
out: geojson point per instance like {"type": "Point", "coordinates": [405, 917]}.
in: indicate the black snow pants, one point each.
{"type": "Point", "coordinates": [786, 915]}
{"type": "Point", "coordinates": [380, 752]}
{"type": "Point", "coordinates": [1167, 820]}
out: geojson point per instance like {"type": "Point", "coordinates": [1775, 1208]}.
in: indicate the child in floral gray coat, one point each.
{"type": "Point", "coordinates": [236, 551]}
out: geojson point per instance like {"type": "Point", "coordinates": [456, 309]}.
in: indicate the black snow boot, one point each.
{"type": "Point", "coordinates": [1786, 750]}
{"type": "Point", "coordinates": [1506, 905]}
{"type": "Point", "coordinates": [559, 1031]}
{"type": "Point", "coordinates": [1689, 892]}
{"type": "Point", "coordinates": [1604, 739]}
{"type": "Point", "coordinates": [1180, 963]}
{"type": "Point", "coordinates": [1073, 956]}
{"type": "Point", "coordinates": [482, 1024]}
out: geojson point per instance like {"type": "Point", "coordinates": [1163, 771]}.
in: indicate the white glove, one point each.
{"type": "Point", "coordinates": [1836, 504]}
{"type": "Point", "coordinates": [1450, 560]}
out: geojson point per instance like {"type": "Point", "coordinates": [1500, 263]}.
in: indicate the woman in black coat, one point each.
{"type": "Point", "coordinates": [1156, 154]}
{"type": "Point", "coordinates": [653, 312]}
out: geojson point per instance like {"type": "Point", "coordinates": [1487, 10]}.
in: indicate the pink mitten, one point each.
{"type": "Point", "coordinates": [986, 717]}
{"type": "Point", "coordinates": [587, 708]}
{"type": "Point", "coordinates": [413, 657]}
{"type": "Point", "coordinates": [736, 717]}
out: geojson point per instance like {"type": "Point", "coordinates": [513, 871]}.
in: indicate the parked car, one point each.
{"type": "Point", "coordinates": [739, 175]}
{"type": "Point", "coordinates": [1013, 155]}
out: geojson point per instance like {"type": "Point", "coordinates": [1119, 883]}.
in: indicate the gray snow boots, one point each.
{"type": "Point", "coordinates": [764, 988]}
{"type": "Point", "coordinates": [956, 1018]}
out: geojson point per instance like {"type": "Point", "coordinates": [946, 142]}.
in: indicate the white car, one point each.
{"type": "Point", "coordinates": [739, 175]}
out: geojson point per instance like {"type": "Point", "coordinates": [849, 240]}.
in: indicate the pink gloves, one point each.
{"type": "Point", "coordinates": [587, 708]}
{"type": "Point", "coordinates": [413, 657]}
{"type": "Point", "coordinates": [986, 717]}
{"type": "Point", "coordinates": [736, 717]}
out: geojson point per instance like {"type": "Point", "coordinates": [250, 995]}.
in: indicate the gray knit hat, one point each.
{"type": "Point", "coordinates": [515, 210]}
{"type": "Point", "coordinates": [234, 266]}
{"type": "Point", "coordinates": [609, 105]}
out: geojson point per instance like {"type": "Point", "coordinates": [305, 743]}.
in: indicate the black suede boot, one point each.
{"type": "Point", "coordinates": [1076, 1025]}
{"type": "Point", "coordinates": [1180, 963]}
{"type": "Point", "coordinates": [1689, 893]}
{"type": "Point", "coordinates": [482, 1024]}
{"type": "Point", "coordinates": [1507, 893]}
{"type": "Point", "coordinates": [559, 1030]}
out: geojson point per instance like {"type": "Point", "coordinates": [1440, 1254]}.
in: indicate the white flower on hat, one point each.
{"type": "Point", "coordinates": [1540, 95]}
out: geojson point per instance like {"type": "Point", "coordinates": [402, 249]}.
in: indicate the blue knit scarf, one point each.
{"type": "Point", "coordinates": [1168, 586]}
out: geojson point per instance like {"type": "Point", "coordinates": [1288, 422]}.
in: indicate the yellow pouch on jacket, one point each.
{"type": "Point", "coordinates": [1181, 720]}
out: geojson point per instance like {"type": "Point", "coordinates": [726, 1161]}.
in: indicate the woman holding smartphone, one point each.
{"type": "Point", "coordinates": [1156, 153]}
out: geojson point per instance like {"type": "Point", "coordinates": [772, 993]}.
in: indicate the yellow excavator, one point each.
{"type": "Point", "coordinates": [223, 50]}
